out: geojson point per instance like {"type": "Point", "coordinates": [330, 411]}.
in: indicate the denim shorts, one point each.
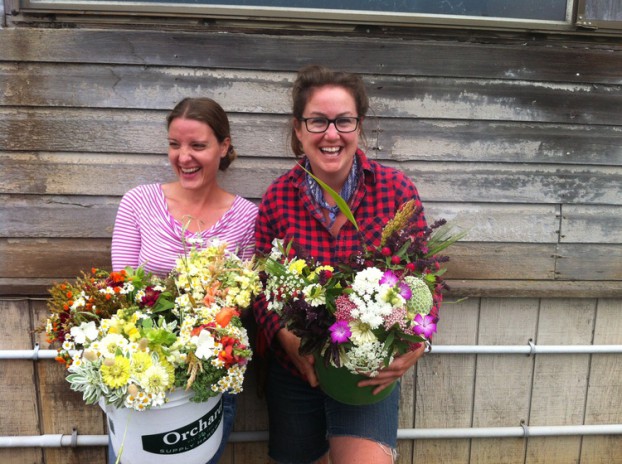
{"type": "Point", "coordinates": [302, 419]}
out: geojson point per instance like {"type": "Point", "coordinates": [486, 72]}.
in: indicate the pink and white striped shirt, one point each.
{"type": "Point", "coordinates": [146, 234]}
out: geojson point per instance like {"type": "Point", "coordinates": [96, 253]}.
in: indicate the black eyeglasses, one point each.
{"type": "Point", "coordinates": [343, 124]}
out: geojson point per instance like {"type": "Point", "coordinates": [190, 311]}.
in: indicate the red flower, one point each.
{"type": "Point", "coordinates": [395, 259]}
{"type": "Point", "coordinates": [386, 251]}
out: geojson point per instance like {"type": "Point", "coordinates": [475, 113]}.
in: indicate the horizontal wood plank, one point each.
{"type": "Point", "coordinates": [58, 259]}
{"type": "Point", "coordinates": [140, 132]}
{"type": "Point", "coordinates": [80, 216]}
{"type": "Point", "coordinates": [517, 59]}
{"type": "Point", "coordinates": [73, 174]}
{"type": "Point", "coordinates": [589, 262]}
{"type": "Point", "coordinates": [49, 216]}
{"type": "Point", "coordinates": [438, 97]}
{"type": "Point", "coordinates": [591, 224]}
{"type": "Point", "coordinates": [65, 258]}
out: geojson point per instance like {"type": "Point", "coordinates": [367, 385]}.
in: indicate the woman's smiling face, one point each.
{"type": "Point", "coordinates": [331, 153]}
{"type": "Point", "coordinates": [194, 152]}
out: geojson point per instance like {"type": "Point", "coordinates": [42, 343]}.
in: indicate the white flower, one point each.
{"type": "Point", "coordinates": [314, 294]}
{"type": "Point", "coordinates": [79, 302]}
{"type": "Point", "coordinates": [85, 331]}
{"type": "Point", "coordinates": [111, 342]}
{"type": "Point", "coordinates": [204, 343]}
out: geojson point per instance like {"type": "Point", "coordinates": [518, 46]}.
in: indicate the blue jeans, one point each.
{"type": "Point", "coordinates": [229, 407]}
{"type": "Point", "coordinates": [302, 418]}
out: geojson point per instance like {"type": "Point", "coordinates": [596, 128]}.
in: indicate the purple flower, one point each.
{"type": "Point", "coordinates": [405, 291]}
{"type": "Point", "coordinates": [340, 332]}
{"type": "Point", "coordinates": [388, 278]}
{"type": "Point", "coordinates": [424, 325]}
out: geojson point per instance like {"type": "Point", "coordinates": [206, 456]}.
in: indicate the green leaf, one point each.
{"type": "Point", "coordinates": [341, 203]}
{"type": "Point", "coordinates": [443, 238]}
{"type": "Point", "coordinates": [411, 338]}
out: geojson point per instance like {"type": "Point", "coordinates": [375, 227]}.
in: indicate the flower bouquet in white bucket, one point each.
{"type": "Point", "coordinates": [140, 345]}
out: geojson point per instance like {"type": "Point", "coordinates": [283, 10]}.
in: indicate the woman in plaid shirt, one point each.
{"type": "Point", "coordinates": [306, 425]}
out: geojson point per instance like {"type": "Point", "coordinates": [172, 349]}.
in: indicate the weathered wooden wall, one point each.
{"type": "Point", "coordinates": [516, 138]}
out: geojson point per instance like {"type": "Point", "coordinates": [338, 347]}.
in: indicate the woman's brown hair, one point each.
{"type": "Point", "coordinates": [312, 77]}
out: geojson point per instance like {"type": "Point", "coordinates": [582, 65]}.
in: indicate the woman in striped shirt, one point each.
{"type": "Point", "coordinates": [155, 221]}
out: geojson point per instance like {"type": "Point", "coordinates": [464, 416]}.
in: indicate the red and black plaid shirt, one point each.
{"type": "Point", "coordinates": [287, 211]}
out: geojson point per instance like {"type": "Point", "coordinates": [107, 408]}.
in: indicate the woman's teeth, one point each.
{"type": "Point", "coordinates": [331, 150]}
{"type": "Point", "coordinates": [189, 171]}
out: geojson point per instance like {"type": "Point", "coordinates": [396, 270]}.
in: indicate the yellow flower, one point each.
{"type": "Point", "coordinates": [131, 331]}
{"type": "Point", "coordinates": [297, 266]}
{"type": "Point", "coordinates": [141, 361]}
{"type": "Point", "coordinates": [155, 379]}
{"type": "Point", "coordinates": [116, 373]}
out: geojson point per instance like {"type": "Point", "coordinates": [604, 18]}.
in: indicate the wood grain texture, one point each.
{"type": "Point", "coordinates": [445, 386]}
{"type": "Point", "coordinates": [519, 59]}
{"type": "Point", "coordinates": [18, 385]}
{"type": "Point", "coordinates": [503, 383]}
{"type": "Point", "coordinates": [73, 174]}
{"type": "Point", "coordinates": [604, 394]}
{"type": "Point", "coordinates": [112, 86]}
{"type": "Point", "coordinates": [562, 322]}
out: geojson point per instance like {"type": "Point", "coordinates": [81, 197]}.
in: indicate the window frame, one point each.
{"type": "Point", "coordinates": [573, 21]}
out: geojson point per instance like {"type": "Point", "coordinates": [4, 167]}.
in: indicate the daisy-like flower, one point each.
{"type": "Point", "coordinates": [361, 332]}
{"type": "Point", "coordinates": [314, 295]}
{"type": "Point", "coordinates": [116, 371]}
{"type": "Point", "coordinates": [111, 343]}
{"type": "Point", "coordinates": [155, 379]}
{"type": "Point", "coordinates": [141, 361]}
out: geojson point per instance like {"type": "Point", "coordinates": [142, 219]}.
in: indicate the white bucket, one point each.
{"type": "Point", "coordinates": [178, 431]}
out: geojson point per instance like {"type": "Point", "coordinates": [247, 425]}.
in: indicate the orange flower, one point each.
{"type": "Point", "coordinates": [69, 294]}
{"type": "Point", "coordinates": [224, 316]}
{"type": "Point", "coordinates": [118, 276]}
{"type": "Point", "coordinates": [210, 294]}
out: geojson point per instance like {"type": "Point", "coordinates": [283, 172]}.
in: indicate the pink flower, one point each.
{"type": "Point", "coordinates": [405, 291]}
{"type": "Point", "coordinates": [397, 316]}
{"type": "Point", "coordinates": [388, 278]}
{"type": "Point", "coordinates": [340, 332]}
{"type": "Point", "coordinates": [424, 325]}
{"type": "Point", "coordinates": [344, 308]}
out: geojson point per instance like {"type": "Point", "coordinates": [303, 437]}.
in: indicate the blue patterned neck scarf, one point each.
{"type": "Point", "coordinates": [346, 191]}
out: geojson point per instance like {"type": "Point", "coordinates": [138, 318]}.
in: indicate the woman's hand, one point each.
{"type": "Point", "coordinates": [304, 364]}
{"type": "Point", "coordinates": [394, 371]}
